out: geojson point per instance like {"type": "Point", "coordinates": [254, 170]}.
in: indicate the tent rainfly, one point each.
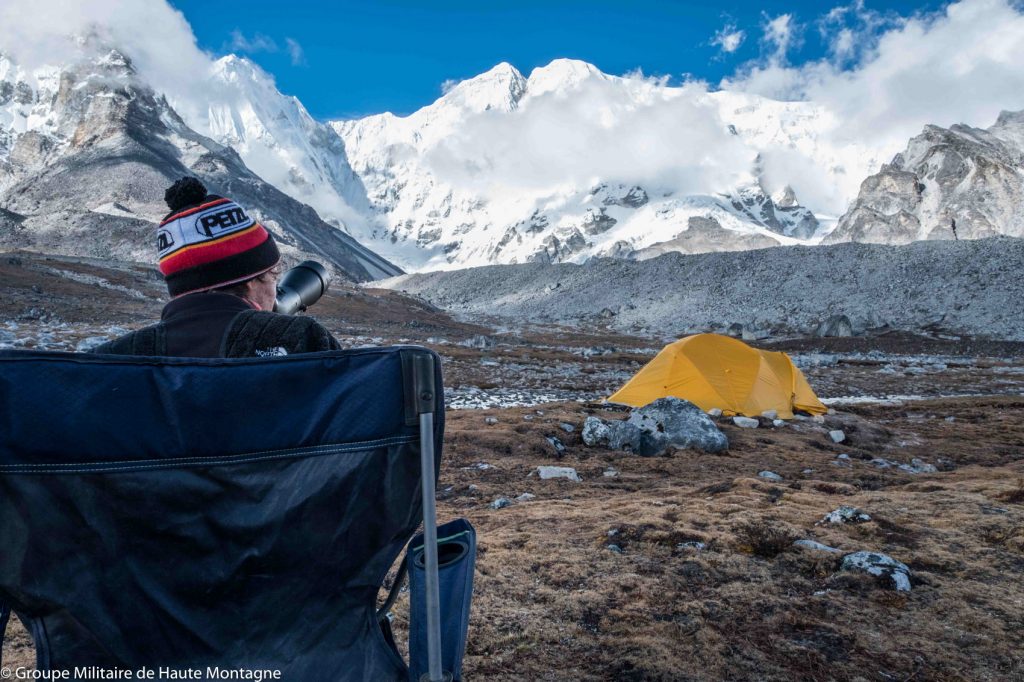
{"type": "Point", "coordinates": [714, 371]}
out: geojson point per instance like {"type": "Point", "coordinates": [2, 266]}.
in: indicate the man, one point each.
{"type": "Point", "coordinates": [221, 269]}
{"type": "Point", "coordinates": [952, 224]}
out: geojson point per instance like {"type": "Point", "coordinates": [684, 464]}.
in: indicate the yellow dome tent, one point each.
{"type": "Point", "coordinates": [712, 371]}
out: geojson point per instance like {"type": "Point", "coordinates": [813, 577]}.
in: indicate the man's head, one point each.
{"type": "Point", "coordinates": [208, 242]}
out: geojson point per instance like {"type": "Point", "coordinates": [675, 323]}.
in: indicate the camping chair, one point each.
{"type": "Point", "coordinates": [228, 514]}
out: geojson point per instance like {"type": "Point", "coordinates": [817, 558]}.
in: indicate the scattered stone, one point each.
{"type": "Point", "coordinates": [611, 472]}
{"type": "Point", "coordinates": [568, 428]}
{"type": "Point", "coordinates": [526, 497]}
{"type": "Point", "coordinates": [472, 487]}
{"type": "Point", "coordinates": [595, 431]}
{"type": "Point", "coordinates": [770, 414]}
{"type": "Point", "coordinates": [87, 344]}
{"type": "Point", "coordinates": [557, 444]}
{"type": "Point", "coordinates": [569, 473]}
{"type": "Point", "coordinates": [837, 436]}
{"type": "Point", "coordinates": [479, 466]}
{"type": "Point", "coordinates": [490, 420]}
{"type": "Point", "coordinates": [528, 417]}
{"type": "Point", "coordinates": [714, 412]}
{"type": "Point", "coordinates": [880, 565]}
{"type": "Point", "coordinates": [812, 544]}
{"type": "Point", "coordinates": [501, 503]}
{"type": "Point", "coordinates": [807, 472]}
{"type": "Point", "coordinates": [778, 423]}
{"type": "Point", "coordinates": [918, 466]}
{"type": "Point", "coordinates": [745, 422]}
{"type": "Point", "coordinates": [846, 514]}
{"type": "Point", "coordinates": [770, 475]}
{"type": "Point", "coordinates": [837, 325]}
{"type": "Point", "coordinates": [818, 419]}
{"type": "Point", "coordinates": [843, 456]}
{"type": "Point", "coordinates": [614, 548]}
{"type": "Point", "coordinates": [692, 544]}
{"type": "Point", "coordinates": [479, 341]}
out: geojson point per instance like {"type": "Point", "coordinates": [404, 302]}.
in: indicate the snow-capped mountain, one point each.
{"type": "Point", "coordinates": [87, 149]}
{"type": "Point", "coordinates": [279, 140]}
{"type": "Point", "coordinates": [969, 175]}
{"type": "Point", "coordinates": [426, 177]}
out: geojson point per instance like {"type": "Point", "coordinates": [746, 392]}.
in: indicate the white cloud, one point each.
{"type": "Point", "coordinates": [616, 130]}
{"type": "Point", "coordinates": [961, 65]}
{"type": "Point", "coordinates": [257, 43]}
{"type": "Point", "coordinates": [447, 85]}
{"type": "Point", "coordinates": [729, 38]}
{"type": "Point", "coordinates": [295, 52]}
{"type": "Point", "coordinates": [780, 34]}
{"type": "Point", "coordinates": [154, 35]}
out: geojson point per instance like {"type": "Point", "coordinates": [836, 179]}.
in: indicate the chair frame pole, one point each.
{"type": "Point", "coordinates": [430, 548]}
{"type": "Point", "coordinates": [426, 401]}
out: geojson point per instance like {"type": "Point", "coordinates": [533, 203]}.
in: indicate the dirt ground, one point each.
{"type": "Point", "coordinates": [603, 580]}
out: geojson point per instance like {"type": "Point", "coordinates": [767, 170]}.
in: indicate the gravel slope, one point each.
{"type": "Point", "coordinates": [967, 287]}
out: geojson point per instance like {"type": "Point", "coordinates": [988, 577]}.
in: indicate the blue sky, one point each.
{"type": "Point", "coordinates": [345, 59]}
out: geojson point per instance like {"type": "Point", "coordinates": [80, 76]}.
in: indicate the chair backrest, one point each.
{"type": "Point", "coordinates": [192, 513]}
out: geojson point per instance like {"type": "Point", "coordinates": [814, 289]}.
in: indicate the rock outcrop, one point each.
{"type": "Point", "coordinates": [968, 175]}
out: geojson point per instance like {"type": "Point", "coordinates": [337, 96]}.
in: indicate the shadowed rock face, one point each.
{"type": "Point", "coordinates": [92, 182]}
{"type": "Point", "coordinates": [965, 174]}
{"type": "Point", "coordinates": [706, 235]}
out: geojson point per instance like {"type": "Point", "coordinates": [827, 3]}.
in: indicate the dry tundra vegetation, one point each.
{"type": "Point", "coordinates": [682, 567]}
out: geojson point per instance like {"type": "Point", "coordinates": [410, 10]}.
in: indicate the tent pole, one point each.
{"type": "Point", "coordinates": [426, 401]}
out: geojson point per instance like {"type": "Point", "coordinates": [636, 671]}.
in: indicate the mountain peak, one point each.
{"type": "Point", "coordinates": [501, 88]}
{"type": "Point", "coordinates": [561, 75]}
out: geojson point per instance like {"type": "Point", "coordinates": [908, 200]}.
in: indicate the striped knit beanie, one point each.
{"type": "Point", "coordinates": [207, 241]}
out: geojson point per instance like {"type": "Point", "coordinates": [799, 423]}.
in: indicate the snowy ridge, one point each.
{"type": "Point", "coordinates": [431, 210]}
{"type": "Point", "coordinates": [87, 149]}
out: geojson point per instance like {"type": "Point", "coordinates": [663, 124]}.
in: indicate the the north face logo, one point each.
{"type": "Point", "coordinates": [209, 224]}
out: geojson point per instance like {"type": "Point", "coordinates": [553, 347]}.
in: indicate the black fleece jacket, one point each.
{"type": "Point", "coordinates": [219, 325]}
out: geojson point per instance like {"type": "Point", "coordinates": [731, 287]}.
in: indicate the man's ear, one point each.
{"type": "Point", "coordinates": [250, 286]}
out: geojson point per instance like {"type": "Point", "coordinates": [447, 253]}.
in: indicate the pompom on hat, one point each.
{"type": "Point", "coordinates": [208, 241]}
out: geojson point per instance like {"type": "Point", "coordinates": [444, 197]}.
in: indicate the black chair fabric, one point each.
{"type": "Point", "coordinates": [194, 514]}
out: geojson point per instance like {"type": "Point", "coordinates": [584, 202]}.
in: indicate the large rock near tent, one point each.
{"type": "Point", "coordinates": [837, 325]}
{"type": "Point", "coordinates": [652, 429]}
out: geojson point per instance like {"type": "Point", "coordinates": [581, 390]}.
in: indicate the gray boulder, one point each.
{"type": "Point", "coordinates": [880, 565]}
{"type": "Point", "coordinates": [547, 473]}
{"type": "Point", "coordinates": [671, 422]}
{"type": "Point", "coordinates": [595, 431]}
{"type": "Point", "coordinates": [846, 514]}
{"type": "Point", "coordinates": [817, 546]}
{"type": "Point", "coordinates": [745, 422]}
{"type": "Point", "coordinates": [650, 430]}
{"type": "Point", "coordinates": [837, 325]}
